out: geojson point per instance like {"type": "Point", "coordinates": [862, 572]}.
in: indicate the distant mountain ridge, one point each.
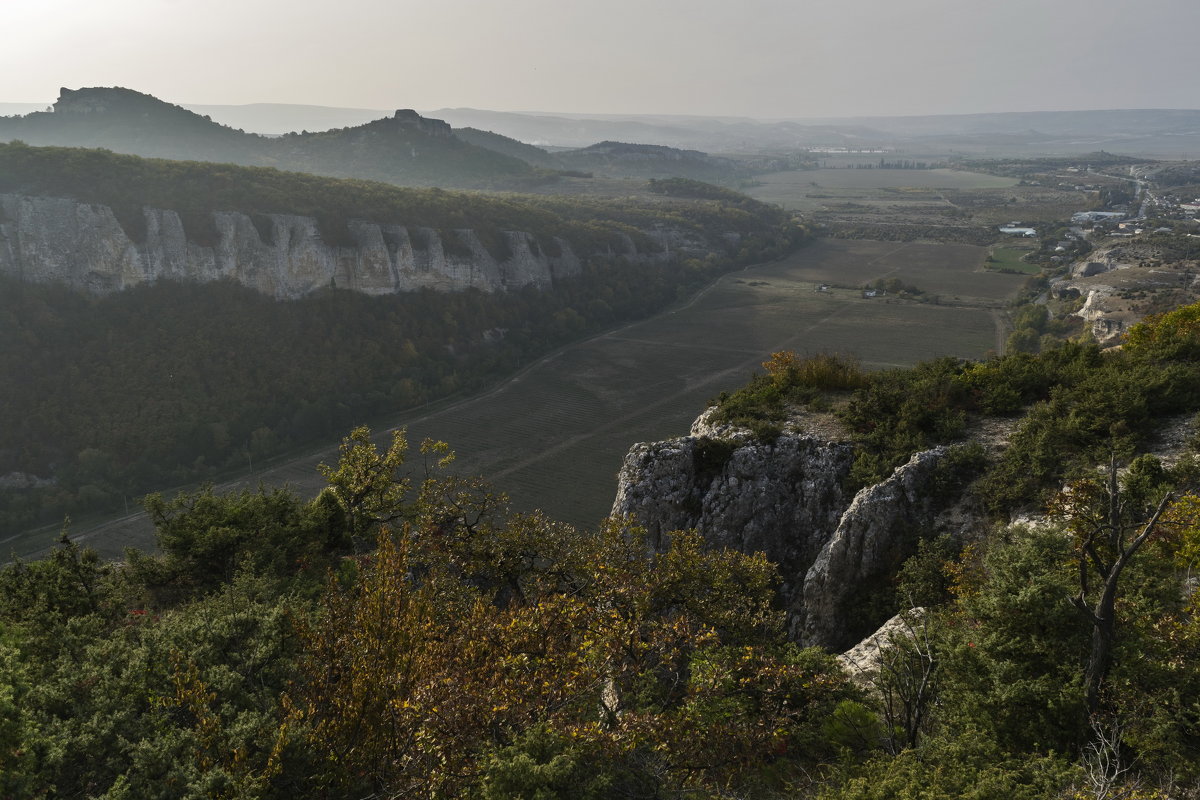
{"type": "Point", "coordinates": [649, 160]}
{"type": "Point", "coordinates": [716, 134]}
{"type": "Point", "coordinates": [405, 149]}
{"type": "Point", "coordinates": [505, 150]}
{"type": "Point", "coordinates": [1132, 131]}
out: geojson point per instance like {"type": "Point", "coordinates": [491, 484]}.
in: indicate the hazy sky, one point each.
{"type": "Point", "coordinates": [762, 58]}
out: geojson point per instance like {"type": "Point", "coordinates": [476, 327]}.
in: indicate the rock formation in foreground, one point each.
{"type": "Point", "coordinates": [785, 498]}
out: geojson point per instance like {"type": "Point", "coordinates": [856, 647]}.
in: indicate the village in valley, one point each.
{"type": "Point", "coordinates": [1102, 240]}
{"type": "Point", "coordinates": [1135, 253]}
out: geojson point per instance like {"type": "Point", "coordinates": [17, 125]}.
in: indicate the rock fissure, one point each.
{"type": "Point", "coordinates": [785, 498]}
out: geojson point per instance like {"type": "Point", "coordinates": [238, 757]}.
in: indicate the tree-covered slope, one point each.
{"type": "Point", "coordinates": [624, 159]}
{"type": "Point", "coordinates": [195, 189]}
{"type": "Point", "coordinates": [503, 144]}
{"type": "Point", "coordinates": [405, 635]}
{"type": "Point", "coordinates": [110, 397]}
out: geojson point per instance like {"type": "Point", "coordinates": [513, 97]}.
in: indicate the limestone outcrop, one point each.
{"type": "Point", "coordinates": [862, 662]}
{"type": "Point", "coordinates": [82, 245]}
{"type": "Point", "coordinates": [874, 536]}
{"type": "Point", "coordinates": [785, 499]}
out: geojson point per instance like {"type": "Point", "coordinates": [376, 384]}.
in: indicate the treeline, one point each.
{"type": "Point", "coordinates": [905, 232]}
{"type": "Point", "coordinates": [903, 163]}
{"type": "Point", "coordinates": [1020, 167]}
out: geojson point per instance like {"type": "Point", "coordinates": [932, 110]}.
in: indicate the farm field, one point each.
{"type": "Point", "coordinates": [955, 272]}
{"type": "Point", "coordinates": [554, 435]}
{"type": "Point", "coordinates": [807, 189]}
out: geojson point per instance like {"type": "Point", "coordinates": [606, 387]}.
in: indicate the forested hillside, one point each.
{"type": "Point", "coordinates": [405, 635]}
{"type": "Point", "coordinates": [172, 382]}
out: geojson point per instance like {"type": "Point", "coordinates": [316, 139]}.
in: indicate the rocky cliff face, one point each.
{"type": "Point", "coordinates": [46, 239]}
{"type": "Point", "coordinates": [874, 535]}
{"type": "Point", "coordinates": [785, 498]}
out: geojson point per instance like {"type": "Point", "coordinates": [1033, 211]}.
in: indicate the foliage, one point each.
{"type": "Point", "coordinates": [367, 484]}
{"type": "Point", "coordinates": [206, 539]}
{"type": "Point", "coordinates": [1012, 650]}
{"type": "Point", "coordinates": [1078, 402]}
{"type": "Point", "coordinates": [523, 644]}
{"type": "Point", "coordinates": [480, 653]}
{"type": "Point", "coordinates": [790, 380]}
{"type": "Point", "coordinates": [1174, 335]}
{"type": "Point", "coordinates": [970, 767]}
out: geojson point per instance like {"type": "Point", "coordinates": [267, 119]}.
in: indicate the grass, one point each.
{"type": "Point", "coordinates": [1008, 259]}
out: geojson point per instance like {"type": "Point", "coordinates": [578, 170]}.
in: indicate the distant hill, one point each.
{"type": "Point", "coordinates": [621, 159]}
{"type": "Point", "coordinates": [507, 146]}
{"type": "Point", "coordinates": [1134, 131]}
{"type": "Point", "coordinates": [708, 134]}
{"type": "Point", "coordinates": [405, 149]}
{"type": "Point", "coordinates": [1137, 132]}
{"type": "Point", "coordinates": [126, 121]}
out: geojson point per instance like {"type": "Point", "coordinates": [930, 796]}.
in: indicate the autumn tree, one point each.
{"type": "Point", "coordinates": [1109, 528]}
{"type": "Point", "coordinates": [461, 634]}
{"type": "Point", "coordinates": [368, 484]}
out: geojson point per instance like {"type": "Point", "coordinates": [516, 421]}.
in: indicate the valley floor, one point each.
{"type": "Point", "coordinates": [553, 436]}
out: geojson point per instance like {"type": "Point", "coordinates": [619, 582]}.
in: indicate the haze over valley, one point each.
{"type": "Point", "coordinates": [618, 400]}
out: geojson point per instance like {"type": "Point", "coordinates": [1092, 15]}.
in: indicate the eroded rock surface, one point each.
{"type": "Point", "coordinates": [785, 499]}
{"type": "Point", "coordinates": [51, 239]}
{"type": "Point", "coordinates": [862, 662]}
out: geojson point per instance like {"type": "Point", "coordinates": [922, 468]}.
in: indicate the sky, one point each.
{"type": "Point", "coordinates": [768, 59]}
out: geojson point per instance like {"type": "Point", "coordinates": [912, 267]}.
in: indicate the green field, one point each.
{"type": "Point", "coordinates": [1009, 258]}
{"type": "Point", "coordinates": [553, 437]}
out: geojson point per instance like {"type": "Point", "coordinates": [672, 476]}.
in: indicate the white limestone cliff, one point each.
{"type": "Point", "coordinates": [82, 245]}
